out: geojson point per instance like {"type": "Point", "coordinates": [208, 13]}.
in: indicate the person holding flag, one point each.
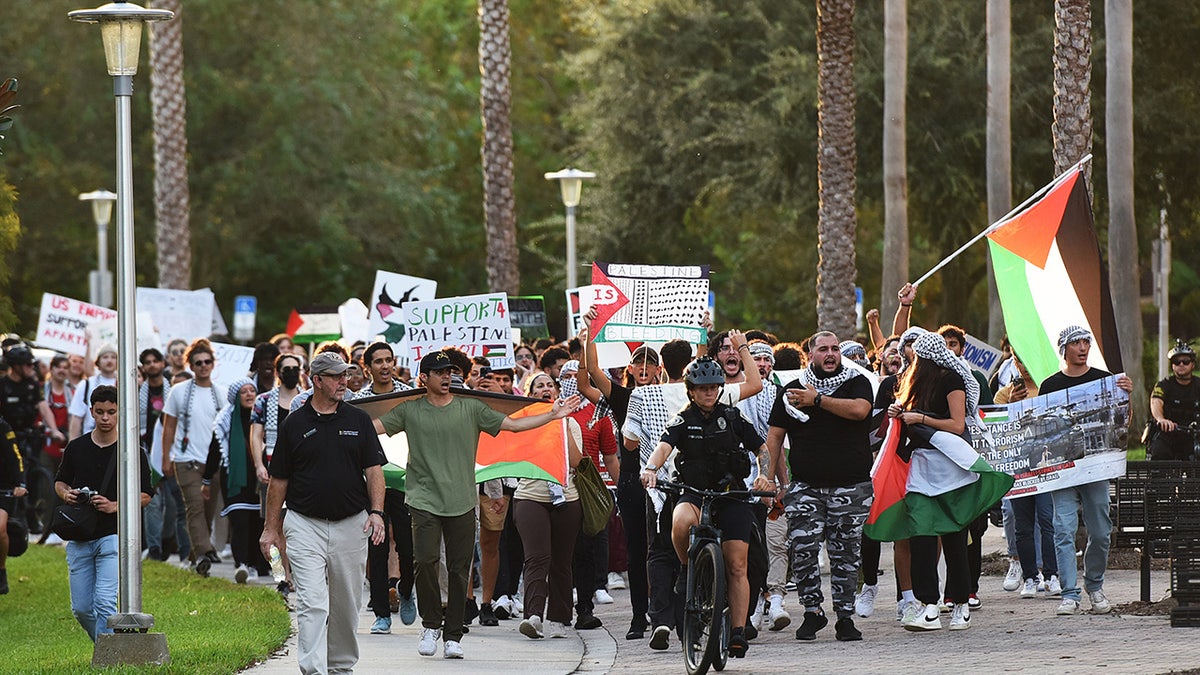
{"type": "Point", "coordinates": [443, 436]}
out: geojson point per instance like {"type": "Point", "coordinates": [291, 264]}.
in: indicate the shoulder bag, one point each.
{"type": "Point", "coordinates": [78, 522]}
{"type": "Point", "coordinates": [594, 497]}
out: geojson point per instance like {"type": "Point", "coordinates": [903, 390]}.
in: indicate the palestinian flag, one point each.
{"type": "Point", "coordinates": [1049, 276]}
{"type": "Point", "coordinates": [314, 324]}
{"type": "Point", "coordinates": [539, 453]}
{"type": "Point", "coordinates": [938, 490]}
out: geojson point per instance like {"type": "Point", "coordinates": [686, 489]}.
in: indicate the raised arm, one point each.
{"type": "Point", "coordinates": [582, 377]}
{"type": "Point", "coordinates": [753, 383]}
{"type": "Point", "coordinates": [561, 409]}
{"type": "Point", "coordinates": [905, 295]}
{"type": "Point", "coordinates": [877, 336]}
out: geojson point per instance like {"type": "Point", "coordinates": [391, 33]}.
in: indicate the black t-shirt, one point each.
{"type": "Point", "coordinates": [939, 402]}
{"type": "Point", "coordinates": [323, 458]}
{"type": "Point", "coordinates": [18, 403]}
{"type": "Point", "coordinates": [10, 460]}
{"type": "Point", "coordinates": [827, 450]}
{"type": "Point", "coordinates": [618, 402]}
{"type": "Point", "coordinates": [1181, 403]}
{"type": "Point", "coordinates": [85, 464]}
{"type": "Point", "coordinates": [1060, 380]}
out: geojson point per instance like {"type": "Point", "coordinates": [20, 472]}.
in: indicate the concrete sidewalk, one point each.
{"type": "Point", "coordinates": [1008, 634]}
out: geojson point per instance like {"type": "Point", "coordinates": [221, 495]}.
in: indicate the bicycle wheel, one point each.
{"type": "Point", "coordinates": [703, 616]}
{"type": "Point", "coordinates": [726, 633]}
{"type": "Point", "coordinates": [41, 501]}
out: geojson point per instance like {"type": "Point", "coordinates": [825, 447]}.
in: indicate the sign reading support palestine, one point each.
{"type": "Point", "coordinates": [1049, 276]}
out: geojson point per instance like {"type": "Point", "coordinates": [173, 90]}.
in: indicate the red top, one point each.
{"type": "Point", "coordinates": [597, 441]}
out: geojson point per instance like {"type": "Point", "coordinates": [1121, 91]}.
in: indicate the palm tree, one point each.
{"type": "Point", "coordinates": [496, 153]}
{"type": "Point", "coordinates": [1072, 127]}
{"type": "Point", "coordinates": [895, 159]}
{"type": "Point", "coordinates": [169, 106]}
{"type": "Point", "coordinates": [1122, 228]}
{"type": "Point", "coordinates": [836, 156]}
{"type": "Point", "coordinates": [999, 140]}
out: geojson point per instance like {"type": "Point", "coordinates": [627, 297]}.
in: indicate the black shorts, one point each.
{"type": "Point", "coordinates": [734, 517]}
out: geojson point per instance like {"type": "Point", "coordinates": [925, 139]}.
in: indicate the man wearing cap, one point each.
{"type": "Point", "coordinates": [443, 435]}
{"type": "Point", "coordinates": [81, 421]}
{"type": "Point", "coordinates": [1175, 403]}
{"type": "Point", "coordinates": [1074, 345]}
{"type": "Point", "coordinates": [327, 466]}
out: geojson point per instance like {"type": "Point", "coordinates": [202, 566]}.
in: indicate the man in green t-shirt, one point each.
{"type": "Point", "coordinates": [443, 435]}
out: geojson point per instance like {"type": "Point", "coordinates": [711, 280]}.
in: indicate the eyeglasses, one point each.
{"type": "Point", "coordinates": [342, 376]}
{"type": "Point", "coordinates": [202, 362]}
{"type": "Point", "coordinates": [176, 352]}
{"type": "Point", "coordinates": [524, 357]}
{"type": "Point", "coordinates": [1182, 362]}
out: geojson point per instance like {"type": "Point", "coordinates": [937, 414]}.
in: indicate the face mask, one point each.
{"type": "Point", "coordinates": [290, 378]}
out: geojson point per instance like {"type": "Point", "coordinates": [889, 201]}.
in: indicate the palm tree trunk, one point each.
{"type": "Point", "coordinates": [836, 157]}
{"type": "Point", "coordinates": [999, 140]}
{"type": "Point", "coordinates": [1122, 228]}
{"type": "Point", "coordinates": [895, 158]}
{"type": "Point", "coordinates": [169, 105]}
{"type": "Point", "coordinates": [1072, 126]}
{"type": "Point", "coordinates": [496, 152]}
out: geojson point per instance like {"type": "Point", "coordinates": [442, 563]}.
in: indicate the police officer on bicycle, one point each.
{"type": "Point", "coordinates": [1174, 405]}
{"type": "Point", "coordinates": [24, 407]}
{"type": "Point", "coordinates": [12, 488]}
{"type": "Point", "coordinates": [714, 443]}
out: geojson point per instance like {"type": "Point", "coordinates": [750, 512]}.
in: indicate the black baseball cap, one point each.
{"type": "Point", "coordinates": [438, 360]}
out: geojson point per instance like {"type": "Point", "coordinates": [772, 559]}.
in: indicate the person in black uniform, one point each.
{"type": "Point", "coordinates": [12, 478]}
{"type": "Point", "coordinates": [1175, 403]}
{"type": "Point", "coordinates": [24, 407]}
{"type": "Point", "coordinates": [714, 442]}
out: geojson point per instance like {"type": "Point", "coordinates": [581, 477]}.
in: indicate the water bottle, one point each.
{"type": "Point", "coordinates": [277, 565]}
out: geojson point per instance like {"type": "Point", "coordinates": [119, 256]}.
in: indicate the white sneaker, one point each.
{"type": "Point", "coordinates": [1029, 590]}
{"type": "Point", "coordinates": [1012, 580]}
{"type": "Point", "coordinates": [452, 650]}
{"type": "Point", "coordinates": [756, 619]}
{"type": "Point", "coordinates": [241, 574]}
{"type": "Point", "coordinates": [502, 607]}
{"type": "Point", "coordinates": [1100, 604]}
{"type": "Point", "coordinates": [518, 606]}
{"type": "Point", "coordinates": [960, 618]}
{"type": "Point", "coordinates": [1067, 607]}
{"type": "Point", "coordinates": [907, 609]}
{"type": "Point", "coordinates": [554, 629]}
{"type": "Point", "coordinates": [615, 581]}
{"type": "Point", "coordinates": [778, 616]}
{"type": "Point", "coordinates": [1053, 587]}
{"type": "Point", "coordinates": [55, 540]}
{"type": "Point", "coordinates": [927, 617]}
{"type": "Point", "coordinates": [532, 628]}
{"type": "Point", "coordinates": [429, 639]}
{"type": "Point", "coordinates": [864, 604]}
{"type": "Point", "coordinates": [601, 597]}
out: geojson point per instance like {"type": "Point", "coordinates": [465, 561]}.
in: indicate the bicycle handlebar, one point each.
{"type": "Point", "coordinates": [666, 485]}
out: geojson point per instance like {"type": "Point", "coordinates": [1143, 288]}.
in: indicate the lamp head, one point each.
{"type": "Point", "coordinates": [121, 29]}
{"type": "Point", "coordinates": [102, 205]}
{"type": "Point", "coordinates": [571, 182]}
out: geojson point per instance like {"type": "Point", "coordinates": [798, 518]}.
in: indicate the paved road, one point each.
{"type": "Point", "coordinates": [1008, 635]}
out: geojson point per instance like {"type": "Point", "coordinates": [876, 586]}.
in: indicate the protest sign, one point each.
{"type": "Point", "coordinates": [104, 332]}
{"type": "Point", "coordinates": [1059, 440]}
{"type": "Point", "coordinates": [233, 363]}
{"type": "Point", "coordinates": [528, 313]}
{"type": "Point", "coordinates": [575, 311]}
{"type": "Point", "coordinates": [63, 323]}
{"type": "Point", "coordinates": [354, 317]}
{"type": "Point", "coordinates": [644, 304]}
{"type": "Point", "coordinates": [186, 315]}
{"type": "Point", "coordinates": [477, 324]}
{"type": "Point", "coordinates": [982, 356]}
{"type": "Point", "coordinates": [386, 318]}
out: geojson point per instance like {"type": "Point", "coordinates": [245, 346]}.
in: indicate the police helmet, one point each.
{"type": "Point", "coordinates": [1181, 348]}
{"type": "Point", "coordinates": [19, 355]}
{"type": "Point", "coordinates": [704, 370]}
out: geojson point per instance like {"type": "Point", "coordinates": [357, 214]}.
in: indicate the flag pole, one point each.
{"type": "Point", "coordinates": [1004, 219]}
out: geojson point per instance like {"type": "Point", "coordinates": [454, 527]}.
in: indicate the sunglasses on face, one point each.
{"type": "Point", "coordinates": [202, 362]}
{"type": "Point", "coordinates": [291, 369]}
{"type": "Point", "coordinates": [1182, 362]}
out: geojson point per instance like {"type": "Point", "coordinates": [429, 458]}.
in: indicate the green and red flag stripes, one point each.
{"type": "Point", "coordinates": [314, 324]}
{"type": "Point", "coordinates": [929, 482]}
{"type": "Point", "coordinates": [1049, 275]}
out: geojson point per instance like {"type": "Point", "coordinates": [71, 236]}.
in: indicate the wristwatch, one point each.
{"type": "Point", "coordinates": [376, 512]}
{"type": "Point", "coordinates": [817, 400]}
{"type": "Point", "coordinates": [651, 469]}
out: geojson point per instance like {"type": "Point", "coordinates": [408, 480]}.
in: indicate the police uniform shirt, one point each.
{"type": "Point", "coordinates": [693, 433]}
{"type": "Point", "coordinates": [323, 457]}
{"type": "Point", "coordinates": [18, 402]}
{"type": "Point", "coordinates": [1181, 403]}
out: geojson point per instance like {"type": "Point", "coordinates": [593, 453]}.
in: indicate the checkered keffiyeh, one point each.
{"type": "Point", "coordinates": [1071, 334]}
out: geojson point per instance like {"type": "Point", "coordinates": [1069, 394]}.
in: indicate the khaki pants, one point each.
{"type": "Point", "coordinates": [328, 560]}
{"type": "Point", "coordinates": [190, 476]}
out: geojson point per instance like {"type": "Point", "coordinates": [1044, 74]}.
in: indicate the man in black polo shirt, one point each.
{"type": "Point", "coordinates": [1175, 403]}
{"type": "Point", "coordinates": [327, 464]}
{"type": "Point", "coordinates": [826, 417]}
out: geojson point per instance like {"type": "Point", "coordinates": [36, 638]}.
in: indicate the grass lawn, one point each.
{"type": "Point", "coordinates": [212, 626]}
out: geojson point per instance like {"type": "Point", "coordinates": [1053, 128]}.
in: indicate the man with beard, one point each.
{"type": "Point", "coordinates": [1174, 404]}
{"type": "Point", "coordinates": [722, 348]}
{"type": "Point", "coordinates": [825, 415]}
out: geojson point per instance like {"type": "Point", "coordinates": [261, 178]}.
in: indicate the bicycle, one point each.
{"type": "Point", "coordinates": [40, 498]}
{"type": "Point", "coordinates": [706, 624]}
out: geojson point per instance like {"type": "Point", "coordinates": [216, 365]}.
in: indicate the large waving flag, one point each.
{"type": "Point", "coordinates": [539, 453]}
{"type": "Point", "coordinates": [937, 491]}
{"type": "Point", "coordinates": [1049, 275]}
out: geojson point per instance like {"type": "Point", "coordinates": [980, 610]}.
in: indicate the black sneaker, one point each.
{"type": "Point", "coordinates": [813, 622]}
{"type": "Point", "coordinates": [637, 630]}
{"type": "Point", "coordinates": [588, 622]}
{"type": "Point", "coordinates": [660, 639]}
{"type": "Point", "coordinates": [738, 645]}
{"type": "Point", "coordinates": [471, 613]}
{"type": "Point", "coordinates": [846, 632]}
{"type": "Point", "coordinates": [3, 581]}
{"type": "Point", "coordinates": [203, 566]}
{"type": "Point", "coordinates": [750, 631]}
{"type": "Point", "coordinates": [155, 553]}
{"type": "Point", "coordinates": [212, 557]}
{"type": "Point", "coordinates": [486, 616]}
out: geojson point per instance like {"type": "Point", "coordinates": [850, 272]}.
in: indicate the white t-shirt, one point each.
{"type": "Point", "coordinates": [80, 406]}
{"type": "Point", "coordinates": [195, 425]}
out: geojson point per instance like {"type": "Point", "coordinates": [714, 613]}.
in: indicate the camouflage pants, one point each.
{"type": "Point", "coordinates": [834, 516]}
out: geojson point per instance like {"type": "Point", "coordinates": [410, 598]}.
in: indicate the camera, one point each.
{"type": "Point", "coordinates": [1018, 382]}
{"type": "Point", "coordinates": [86, 494]}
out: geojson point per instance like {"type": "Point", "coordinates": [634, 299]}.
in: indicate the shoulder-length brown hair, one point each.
{"type": "Point", "coordinates": [917, 386]}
